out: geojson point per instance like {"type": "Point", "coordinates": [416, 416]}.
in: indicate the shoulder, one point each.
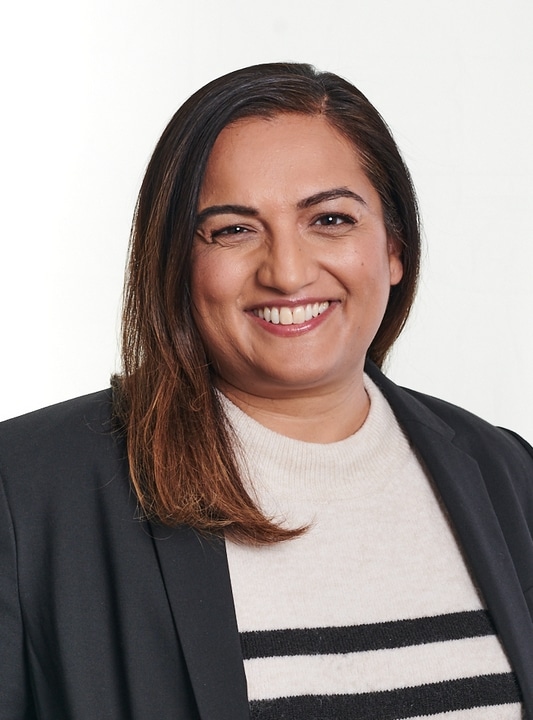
{"type": "Point", "coordinates": [65, 443]}
{"type": "Point", "coordinates": [90, 406]}
{"type": "Point", "coordinates": [468, 432]}
{"type": "Point", "coordinates": [80, 420]}
{"type": "Point", "coordinates": [472, 431]}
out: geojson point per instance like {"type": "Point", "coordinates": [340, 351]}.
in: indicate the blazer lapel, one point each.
{"type": "Point", "coordinates": [196, 576]}
{"type": "Point", "coordinates": [458, 479]}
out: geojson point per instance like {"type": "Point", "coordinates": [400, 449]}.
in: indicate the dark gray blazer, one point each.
{"type": "Point", "coordinates": [106, 617]}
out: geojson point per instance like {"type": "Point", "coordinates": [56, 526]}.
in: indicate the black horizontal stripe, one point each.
{"type": "Point", "coordinates": [359, 638]}
{"type": "Point", "coordinates": [424, 700]}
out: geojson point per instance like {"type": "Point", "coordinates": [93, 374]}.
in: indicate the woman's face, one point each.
{"type": "Point", "coordinates": [292, 265]}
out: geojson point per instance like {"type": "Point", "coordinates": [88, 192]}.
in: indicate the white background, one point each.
{"type": "Point", "coordinates": [88, 86]}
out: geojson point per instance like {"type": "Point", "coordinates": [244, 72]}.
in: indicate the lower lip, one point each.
{"type": "Point", "coordinates": [293, 330]}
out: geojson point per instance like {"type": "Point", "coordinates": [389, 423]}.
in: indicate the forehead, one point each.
{"type": "Point", "coordinates": [283, 152]}
{"type": "Point", "coordinates": [280, 130]}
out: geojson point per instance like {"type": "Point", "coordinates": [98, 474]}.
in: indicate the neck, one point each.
{"type": "Point", "coordinates": [318, 418]}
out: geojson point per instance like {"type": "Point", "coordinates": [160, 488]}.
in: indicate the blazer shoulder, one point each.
{"type": "Point", "coordinates": [504, 458]}
{"type": "Point", "coordinates": [93, 409]}
{"type": "Point", "coordinates": [474, 435]}
{"type": "Point", "coordinates": [470, 428]}
{"type": "Point", "coordinates": [73, 434]}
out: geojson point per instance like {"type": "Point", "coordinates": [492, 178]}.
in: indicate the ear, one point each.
{"type": "Point", "coordinates": [394, 247]}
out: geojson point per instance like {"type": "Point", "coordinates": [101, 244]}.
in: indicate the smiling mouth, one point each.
{"type": "Point", "coordinates": [291, 316]}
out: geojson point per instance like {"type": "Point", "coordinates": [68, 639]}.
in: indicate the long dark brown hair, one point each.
{"type": "Point", "coordinates": [180, 447]}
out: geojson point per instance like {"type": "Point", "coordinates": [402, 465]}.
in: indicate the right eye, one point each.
{"type": "Point", "coordinates": [230, 230]}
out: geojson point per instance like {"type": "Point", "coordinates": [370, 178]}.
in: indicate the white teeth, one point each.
{"type": "Point", "coordinates": [292, 316]}
{"type": "Point", "coordinates": [298, 315]}
{"type": "Point", "coordinates": [285, 316]}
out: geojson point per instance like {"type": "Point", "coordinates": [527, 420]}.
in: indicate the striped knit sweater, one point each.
{"type": "Point", "coordinates": [372, 614]}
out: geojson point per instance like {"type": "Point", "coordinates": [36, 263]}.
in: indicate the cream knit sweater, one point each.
{"type": "Point", "coordinates": [372, 613]}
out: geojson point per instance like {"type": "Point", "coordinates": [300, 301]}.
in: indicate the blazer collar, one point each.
{"type": "Point", "coordinates": [463, 489]}
{"type": "Point", "coordinates": [196, 577]}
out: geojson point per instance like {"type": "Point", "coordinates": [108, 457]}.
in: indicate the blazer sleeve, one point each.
{"type": "Point", "coordinates": [15, 691]}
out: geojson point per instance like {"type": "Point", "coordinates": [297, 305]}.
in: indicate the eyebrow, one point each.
{"type": "Point", "coordinates": [329, 195]}
{"type": "Point", "coordinates": [315, 199]}
{"type": "Point", "coordinates": [225, 210]}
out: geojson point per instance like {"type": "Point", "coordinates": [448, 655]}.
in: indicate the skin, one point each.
{"type": "Point", "coordinates": [286, 218]}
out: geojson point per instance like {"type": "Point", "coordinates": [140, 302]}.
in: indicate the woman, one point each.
{"type": "Point", "coordinates": [256, 522]}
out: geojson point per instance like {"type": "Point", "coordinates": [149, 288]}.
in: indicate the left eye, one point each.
{"type": "Point", "coordinates": [333, 219]}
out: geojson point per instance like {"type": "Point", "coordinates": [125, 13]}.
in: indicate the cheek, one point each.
{"type": "Point", "coordinates": [221, 279]}
{"type": "Point", "coordinates": [214, 295]}
{"type": "Point", "coordinates": [207, 282]}
{"type": "Point", "coordinates": [365, 270]}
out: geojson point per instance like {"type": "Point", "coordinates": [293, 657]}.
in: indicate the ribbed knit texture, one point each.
{"type": "Point", "coordinates": [371, 614]}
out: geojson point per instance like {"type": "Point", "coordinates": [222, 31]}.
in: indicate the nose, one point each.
{"type": "Point", "coordinates": [288, 264]}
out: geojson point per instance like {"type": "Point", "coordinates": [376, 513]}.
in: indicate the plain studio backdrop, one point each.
{"type": "Point", "coordinates": [89, 86]}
